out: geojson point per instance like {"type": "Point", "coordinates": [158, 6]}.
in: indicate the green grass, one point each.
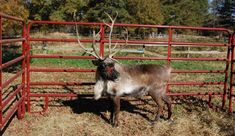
{"type": "Point", "coordinates": [189, 65]}
{"type": "Point", "coordinates": [177, 65]}
{"type": "Point", "coordinates": [63, 62]}
{"type": "Point", "coordinates": [198, 65]}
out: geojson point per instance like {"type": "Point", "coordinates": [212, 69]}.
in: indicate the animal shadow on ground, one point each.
{"type": "Point", "coordinates": [98, 107]}
{"type": "Point", "coordinates": [191, 103]}
{"type": "Point", "coordinates": [198, 104]}
{"type": "Point", "coordinates": [86, 104]}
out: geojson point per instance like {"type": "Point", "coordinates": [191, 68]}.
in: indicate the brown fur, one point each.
{"type": "Point", "coordinates": [150, 71]}
{"type": "Point", "coordinates": [136, 80]}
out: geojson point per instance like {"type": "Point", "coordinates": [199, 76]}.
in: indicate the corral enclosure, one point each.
{"type": "Point", "coordinates": [57, 72]}
{"type": "Point", "coordinates": [198, 56]}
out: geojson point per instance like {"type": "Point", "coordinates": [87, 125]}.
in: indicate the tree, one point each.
{"type": "Point", "coordinates": [185, 12]}
{"type": "Point", "coordinates": [94, 11]}
{"type": "Point", "coordinates": [14, 8]}
{"type": "Point", "coordinates": [58, 10]}
{"type": "Point", "coordinates": [145, 11]}
{"type": "Point", "coordinates": [224, 13]}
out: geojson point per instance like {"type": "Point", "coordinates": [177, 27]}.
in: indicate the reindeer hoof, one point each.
{"type": "Point", "coordinates": [152, 123]}
{"type": "Point", "coordinates": [114, 124]}
{"type": "Point", "coordinates": [157, 119]}
{"type": "Point", "coordinates": [171, 121]}
{"type": "Point", "coordinates": [160, 118]}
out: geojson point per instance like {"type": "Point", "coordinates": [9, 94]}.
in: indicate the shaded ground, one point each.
{"type": "Point", "coordinates": [86, 117]}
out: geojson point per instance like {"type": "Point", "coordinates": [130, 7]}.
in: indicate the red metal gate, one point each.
{"type": "Point", "coordinates": [13, 100]}
{"type": "Point", "coordinates": [169, 41]}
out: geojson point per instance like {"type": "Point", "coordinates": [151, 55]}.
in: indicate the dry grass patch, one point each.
{"type": "Point", "coordinates": [86, 117]}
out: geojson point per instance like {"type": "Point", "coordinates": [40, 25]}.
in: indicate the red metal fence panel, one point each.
{"type": "Point", "coordinates": [7, 105]}
{"type": "Point", "coordinates": [170, 43]}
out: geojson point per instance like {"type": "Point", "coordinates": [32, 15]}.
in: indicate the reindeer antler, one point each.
{"type": "Point", "coordinates": [126, 41]}
{"type": "Point", "coordinates": [110, 35]}
{"type": "Point", "coordinates": [111, 28]}
{"type": "Point", "coordinates": [95, 35]}
{"type": "Point", "coordinates": [94, 51]}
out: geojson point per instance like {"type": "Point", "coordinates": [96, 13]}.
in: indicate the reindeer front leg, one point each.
{"type": "Point", "coordinates": [115, 111]}
{"type": "Point", "coordinates": [98, 89]}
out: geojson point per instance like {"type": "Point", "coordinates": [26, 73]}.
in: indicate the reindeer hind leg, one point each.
{"type": "Point", "coordinates": [155, 96]}
{"type": "Point", "coordinates": [168, 102]}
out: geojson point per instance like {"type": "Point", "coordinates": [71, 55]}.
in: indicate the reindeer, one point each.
{"type": "Point", "coordinates": [116, 80]}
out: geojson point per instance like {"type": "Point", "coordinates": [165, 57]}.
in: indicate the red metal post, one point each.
{"type": "Point", "coordinates": [102, 34]}
{"type": "Point", "coordinates": [169, 44]}
{"type": "Point", "coordinates": [24, 45]}
{"type": "Point", "coordinates": [226, 73]}
{"type": "Point", "coordinates": [231, 75]}
{"type": "Point", "coordinates": [169, 53]}
{"type": "Point", "coordinates": [1, 107]}
{"type": "Point", "coordinates": [28, 68]}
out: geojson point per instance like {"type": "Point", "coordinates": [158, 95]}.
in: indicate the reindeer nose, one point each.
{"type": "Point", "coordinates": [109, 69]}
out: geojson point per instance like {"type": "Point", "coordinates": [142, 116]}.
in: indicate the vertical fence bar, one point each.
{"type": "Point", "coordinates": [28, 69]}
{"type": "Point", "coordinates": [231, 75]}
{"type": "Point", "coordinates": [24, 44]}
{"type": "Point", "coordinates": [226, 73]}
{"type": "Point", "coordinates": [169, 44]}
{"type": "Point", "coordinates": [169, 52]}
{"type": "Point", "coordinates": [102, 34]}
{"type": "Point", "coordinates": [1, 89]}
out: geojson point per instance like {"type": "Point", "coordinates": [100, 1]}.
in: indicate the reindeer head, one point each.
{"type": "Point", "coordinates": [105, 65]}
{"type": "Point", "coordinates": [106, 68]}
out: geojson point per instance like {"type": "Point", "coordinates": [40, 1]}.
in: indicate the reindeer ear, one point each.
{"type": "Point", "coordinates": [96, 62]}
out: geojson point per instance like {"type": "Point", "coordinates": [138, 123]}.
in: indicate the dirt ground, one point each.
{"type": "Point", "coordinates": [83, 116]}
{"type": "Point", "coordinates": [87, 117]}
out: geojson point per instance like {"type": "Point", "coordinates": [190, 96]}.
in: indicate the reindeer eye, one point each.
{"type": "Point", "coordinates": [103, 65]}
{"type": "Point", "coordinates": [96, 62]}
{"type": "Point", "coordinates": [111, 65]}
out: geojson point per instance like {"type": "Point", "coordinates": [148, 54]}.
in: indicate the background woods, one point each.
{"type": "Point", "coordinates": [213, 13]}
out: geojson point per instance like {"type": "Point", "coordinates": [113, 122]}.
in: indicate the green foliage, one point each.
{"type": "Point", "coordinates": [185, 12]}
{"type": "Point", "coordinates": [163, 12]}
{"type": "Point", "coordinates": [179, 12]}
{"type": "Point", "coordinates": [58, 10]}
{"type": "Point", "coordinates": [13, 8]}
{"type": "Point", "coordinates": [145, 11]}
{"type": "Point", "coordinates": [129, 11]}
{"type": "Point", "coordinates": [94, 12]}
